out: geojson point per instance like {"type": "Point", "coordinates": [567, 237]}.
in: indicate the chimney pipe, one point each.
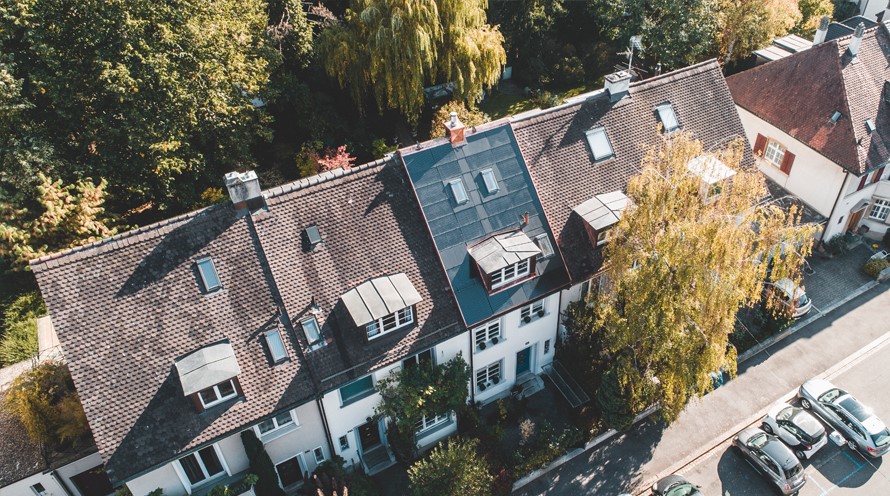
{"type": "Point", "coordinates": [617, 85]}
{"type": "Point", "coordinates": [244, 190]}
{"type": "Point", "coordinates": [822, 31]}
{"type": "Point", "coordinates": [455, 130]}
{"type": "Point", "coordinates": [856, 40]}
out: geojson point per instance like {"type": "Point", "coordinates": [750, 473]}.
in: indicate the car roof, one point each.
{"type": "Point", "coordinates": [788, 286]}
{"type": "Point", "coordinates": [746, 434]}
{"type": "Point", "coordinates": [777, 450]}
{"type": "Point", "coordinates": [874, 425]}
{"type": "Point", "coordinates": [775, 409]}
{"type": "Point", "coordinates": [817, 387]}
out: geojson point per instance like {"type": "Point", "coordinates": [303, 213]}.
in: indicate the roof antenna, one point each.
{"type": "Point", "coordinates": [635, 44]}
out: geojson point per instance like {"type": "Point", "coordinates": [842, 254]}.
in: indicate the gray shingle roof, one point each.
{"type": "Point", "coordinates": [379, 297]}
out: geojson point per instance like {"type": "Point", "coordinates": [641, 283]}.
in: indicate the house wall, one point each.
{"type": "Point", "coordinates": [77, 467]}
{"type": "Point", "coordinates": [164, 478]}
{"type": "Point", "coordinates": [516, 336]}
{"type": "Point", "coordinates": [870, 8]}
{"type": "Point", "coordinates": [23, 487]}
{"type": "Point", "coordinates": [303, 439]}
{"type": "Point", "coordinates": [877, 228]}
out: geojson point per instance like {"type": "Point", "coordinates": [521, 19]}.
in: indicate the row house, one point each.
{"type": "Point", "coordinates": [278, 312]}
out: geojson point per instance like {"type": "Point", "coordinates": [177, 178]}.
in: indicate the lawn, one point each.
{"type": "Point", "coordinates": [510, 99]}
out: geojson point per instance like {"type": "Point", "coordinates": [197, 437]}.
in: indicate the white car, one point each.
{"type": "Point", "coordinates": [797, 428]}
{"type": "Point", "coordinates": [859, 425]}
{"type": "Point", "coordinates": [791, 296]}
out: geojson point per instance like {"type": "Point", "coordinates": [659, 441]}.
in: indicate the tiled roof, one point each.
{"type": "Point", "coordinates": [456, 227]}
{"type": "Point", "coordinates": [370, 227]}
{"type": "Point", "coordinates": [799, 93]}
{"type": "Point", "coordinates": [561, 164]}
{"type": "Point", "coordinates": [126, 307]}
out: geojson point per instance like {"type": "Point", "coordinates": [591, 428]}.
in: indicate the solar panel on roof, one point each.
{"type": "Point", "coordinates": [667, 116]}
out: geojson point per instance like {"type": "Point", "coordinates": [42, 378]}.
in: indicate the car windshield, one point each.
{"type": "Point", "coordinates": [830, 395]}
{"type": "Point", "coordinates": [794, 471]}
{"type": "Point", "coordinates": [758, 441]}
{"type": "Point", "coordinates": [882, 438]}
{"type": "Point", "coordinates": [785, 414]}
{"type": "Point", "coordinates": [803, 300]}
{"type": "Point", "coordinates": [856, 409]}
{"type": "Point", "coordinates": [681, 489]}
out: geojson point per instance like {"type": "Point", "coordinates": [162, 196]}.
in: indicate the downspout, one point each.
{"type": "Point", "coordinates": [833, 207]}
{"type": "Point", "coordinates": [472, 368]}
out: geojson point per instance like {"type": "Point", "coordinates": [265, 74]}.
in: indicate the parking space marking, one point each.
{"type": "Point", "coordinates": [813, 480]}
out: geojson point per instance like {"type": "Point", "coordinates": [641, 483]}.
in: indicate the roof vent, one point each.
{"type": "Point", "coordinates": [870, 125]}
{"type": "Point", "coordinates": [313, 237]}
{"type": "Point", "coordinates": [617, 85]}
{"type": "Point", "coordinates": [835, 117]}
{"type": "Point", "coordinates": [822, 32]}
{"type": "Point", "coordinates": [856, 40]}
{"type": "Point", "coordinates": [244, 190]}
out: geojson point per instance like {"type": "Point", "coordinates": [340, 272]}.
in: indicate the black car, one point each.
{"type": "Point", "coordinates": [675, 485]}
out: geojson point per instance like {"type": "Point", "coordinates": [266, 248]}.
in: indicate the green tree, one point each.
{"type": "Point", "coordinates": [747, 25]}
{"type": "Point", "coordinates": [453, 468]}
{"type": "Point", "coordinates": [811, 12]}
{"type": "Point", "coordinates": [681, 262]}
{"type": "Point", "coordinates": [675, 33]}
{"type": "Point", "coordinates": [396, 47]}
{"type": "Point", "coordinates": [468, 116]}
{"type": "Point", "coordinates": [150, 95]}
{"type": "Point", "coordinates": [261, 465]}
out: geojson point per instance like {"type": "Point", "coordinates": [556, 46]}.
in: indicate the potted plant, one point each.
{"type": "Point", "coordinates": [527, 319]}
{"type": "Point", "coordinates": [495, 340]}
{"type": "Point", "coordinates": [482, 345]}
{"type": "Point", "coordinates": [482, 387]}
{"type": "Point", "coordinates": [495, 380]}
{"type": "Point", "coordinates": [541, 312]}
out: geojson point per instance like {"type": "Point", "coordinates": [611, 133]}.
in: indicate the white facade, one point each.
{"type": "Point", "coordinates": [55, 481]}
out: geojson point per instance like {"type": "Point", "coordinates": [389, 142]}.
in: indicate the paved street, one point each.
{"type": "Point", "coordinates": [631, 462]}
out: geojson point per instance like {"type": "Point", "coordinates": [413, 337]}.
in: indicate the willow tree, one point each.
{"type": "Point", "coordinates": [395, 47]}
{"type": "Point", "coordinates": [682, 261]}
{"type": "Point", "coordinates": [746, 25]}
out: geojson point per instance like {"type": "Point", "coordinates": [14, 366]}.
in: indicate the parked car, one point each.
{"type": "Point", "coordinates": [771, 458]}
{"type": "Point", "coordinates": [675, 485]}
{"type": "Point", "coordinates": [797, 428]}
{"type": "Point", "coordinates": [859, 425]}
{"type": "Point", "coordinates": [790, 295]}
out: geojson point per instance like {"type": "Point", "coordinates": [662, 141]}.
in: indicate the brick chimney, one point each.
{"type": "Point", "coordinates": [617, 85]}
{"type": "Point", "coordinates": [856, 40]}
{"type": "Point", "coordinates": [244, 190]}
{"type": "Point", "coordinates": [455, 129]}
{"type": "Point", "coordinates": [822, 31]}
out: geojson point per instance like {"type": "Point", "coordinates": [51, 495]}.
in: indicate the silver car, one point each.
{"type": "Point", "coordinates": [797, 428]}
{"type": "Point", "coordinates": [771, 458]}
{"type": "Point", "coordinates": [862, 428]}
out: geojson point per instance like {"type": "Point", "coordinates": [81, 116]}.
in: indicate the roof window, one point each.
{"type": "Point", "coordinates": [209, 276]}
{"type": "Point", "coordinates": [599, 143]}
{"type": "Point", "coordinates": [276, 346]}
{"type": "Point", "coordinates": [667, 116]}
{"type": "Point", "coordinates": [313, 236]}
{"type": "Point", "coordinates": [491, 184]}
{"type": "Point", "coordinates": [313, 333]}
{"type": "Point", "coordinates": [836, 116]}
{"type": "Point", "coordinates": [458, 191]}
{"type": "Point", "coordinates": [543, 242]}
{"type": "Point", "coordinates": [209, 373]}
{"type": "Point", "coordinates": [870, 125]}
{"type": "Point", "coordinates": [505, 258]}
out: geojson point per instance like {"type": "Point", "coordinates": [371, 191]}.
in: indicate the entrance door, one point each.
{"type": "Point", "coordinates": [855, 217]}
{"type": "Point", "coordinates": [523, 361]}
{"type": "Point", "coordinates": [369, 435]}
{"type": "Point", "coordinates": [289, 471]}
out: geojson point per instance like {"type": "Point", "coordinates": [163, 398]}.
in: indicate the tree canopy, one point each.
{"type": "Point", "coordinates": [397, 47]}
{"type": "Point", "coordinates": [453, 468]}
{"type": "Point", "coordinates": [747, 25]}
{"type": "Point", "coordinates": [681, 262]}
{"type": "Point", "coordinates": [674, 33]}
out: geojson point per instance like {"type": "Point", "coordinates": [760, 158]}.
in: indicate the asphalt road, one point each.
{"type": "Point", "coordinates": [832, 470]}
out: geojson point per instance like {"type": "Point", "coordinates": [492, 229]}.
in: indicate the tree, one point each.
{"type": "Point", "coordinates": [396, 47]}
{"type": "Point", "coordinates": [67, 215]}
{"type": "Point", "coordinates": [149, 95]}
{"type": "Point", "coordinates": [747, 25]}
{"type": "Point", "coordinates": [674, 33]}
{"type": "Point", "coordinates": [335, 159]}
{"type": "Point", "coordinates": [681, 262]}
{"type": "Point", "coordinates": [45, 401]}
{"type": "Point", "coordinates": [454, 468]}
{"type": "Point", "coordinates": [811, 13]}
{"type": "Point", "coordinates": [468, 116]}
{"type": "Point", "coordinates": [261, 465]}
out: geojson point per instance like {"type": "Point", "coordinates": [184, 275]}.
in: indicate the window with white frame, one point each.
{"type": "Point", "coordinates": [774, 153]}
{"type": "Point", "coordinates": [201, 466]}
{"type": "Point", "coordinates": [599, 143]}
{"type": "Point", "coordinates": [39, 490]}
{"type": "Point", "coordinates": [880, 209]}
{"type": "Point", "coordinates": [274, 425]}
{"type": "Point", "coordinates": [209, 276]}
{"type": "Point", "coordinates": [532, 311]}
{"type": "Point", "coordinates": [543, 242]}
{"type": "Point", "coordinates": [428, 422]}
{"type": "Point", "coordinates": [488, 376]}
{"type": "Point", "coordinates": [391, 322]}
{"type": "Point", "coordinates": [510, 273]}
{"type": "Point", "coordinates": [344, 442]}
{"type": "Point", "coordinates": [602, 236]}
{"type": "Point", "coordinates": [277, 351]}
{"type": "Point", "coordinates": [318, 453]}
{"type": "Point", "coordinates": [667, 116]}
{"type": "Point", "coordinates": [312, 333]}
{"type": "Point", "coordinates": [426, 358]}
{"type": "Point", "coordinates": [218, 393]}
{"type": "Point", "coordinates": [488, 334]}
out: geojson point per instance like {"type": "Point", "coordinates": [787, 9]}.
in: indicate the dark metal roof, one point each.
{"type": "Point", "coordinates": [457, 227]}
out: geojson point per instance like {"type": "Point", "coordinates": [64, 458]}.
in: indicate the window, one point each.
{"type": "Point", "coordinates": [458, 191]}
{"type": "Point", "coordinates": [279, 421]}
{"type": "Point", "coordinates": [318, 453]}
{"type": "Point", "coordinates": [509, 273]}
{"type": "Point", "coordinates": [546, 346]}
{"type": "Point", "coordinates": [543, 242]}
{"type": "Point", "coordinates": [668, 117]}
{"type": "Point", "coordinates": [585, 289]}
{"type": "Point", "coordinates": [201, 466]}
{"type": "Point", "coordinates": [490, 333]}
{"type": "Point", "coordinates": [880, 209]}
{"type": "Point", "coordinates": [276, 346]}
{"type": "Point", "coordinates": [390, 322]}
{"type": "Point", "coordinates": [424, 357]}
{"type": "Point", "coordinates": [488, 376]}
{"type": "Point", "coordinates": [491, 184]}
{"type": "Point", "coordinates": [774, 153]}
{"type": "Point", "coordinates": [599, 143]}
{"type": "Point", "coordinates": [528, 312]}
{"type": "Point", "coordinates": [357, 390]}
{"type": "Point", "coordinates": [344, 442]}
{"type": "Point", "coordinates": [209, 277]}
{"type": "Point", "coordinates": [38, 489]}
{"type": "Point", "coordinates": [602, 236]}
{"type": "Point", "coordinates": [312, 333]}
{"type": "Point", "coordinates": [218, 393]}
{"type": "Point", "coordinates": [428, 422]}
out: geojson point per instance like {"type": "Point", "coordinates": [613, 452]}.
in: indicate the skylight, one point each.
{"type": "Point", "coordinates": [310, 329]}
{"type": "Point", "coordinates": [313, 235]}
{"type": "Point", "coordinates": [491, 184]}
{"type": "Point", "coordinates": [667, 116]}
{"type": "Point", "coordinates": [208, 274]}
{"type": "Point", "coordinates": [457, 189]}
{"type": "Point", "coordinates": [543, 243]}
{"type": "Point", "coordinates": [276, 346]}
{"type": "Point", "coordinates": [870, 125]}
{"type": "Point", "coordinates": [599, 143]}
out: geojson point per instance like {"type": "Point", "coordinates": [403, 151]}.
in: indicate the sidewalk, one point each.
{"type": "Point", "coordinates": [634, 460]}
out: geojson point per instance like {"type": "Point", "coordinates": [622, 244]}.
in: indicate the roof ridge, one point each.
{"type": "Point", "coordinates": [322, 178]}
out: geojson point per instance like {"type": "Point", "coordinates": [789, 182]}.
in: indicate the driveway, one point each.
{"type": "Point", "coordinates": [835, 278]}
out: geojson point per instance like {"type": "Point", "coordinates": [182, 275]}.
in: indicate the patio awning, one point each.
{"type": "Point", "coordinates": [502, 250]}
{"type": "Point", "coordinates": [379, 297]}
{"type": "Point", "coordinates": [207, 367]}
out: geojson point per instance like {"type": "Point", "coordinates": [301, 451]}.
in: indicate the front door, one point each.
{"type": "Point", "coordinates": [369, 435]}
{"type": "Point", "coordinates": [855, 217]}
{"type": "Point", "coordinates": [523, 361]}
{"type": "Point", "coordinates": [289, 472]}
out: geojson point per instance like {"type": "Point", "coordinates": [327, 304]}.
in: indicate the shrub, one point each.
{"type": "Point", "coordinates": [544, 99]}
{"type": "Point", "coordinates": [837, 245]}
{"type": "Point", "coordinates": [874, 266]}
{"type": "Point", "coordinates": [468, 116]}
{"type": "Point", "coordinates": [19, 343]}
{"type": "Point", "coordinates": [261, 465]}
{"type": "Point", "coordinates": [331, 475]}
{"type": "Point", "coordinates": [453, 468]}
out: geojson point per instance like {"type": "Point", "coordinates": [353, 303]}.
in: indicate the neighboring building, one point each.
{"type": "Point", "coordinates": [827, 31]}
{"type": "Point", "coordinates": [819, 123]}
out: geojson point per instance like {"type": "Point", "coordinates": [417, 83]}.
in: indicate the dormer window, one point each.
{"type": "Point", "coordinates": [209, 375]}
{"type": "Point", "coordinates": [458, 192]}
{"type": "Point", "coordinates": [504, 259]}
{"type": "Point", "coordinates": [382, 305]}
{"type": "Point", "coordinates": [599, 143]}
{"type": "Point", "coordinates": [209, 277]}
{"type": "Point", "coordinates": [491, 183]}
{"type": "Point", "coordinates": [712, 173]}
{"type": "Point", "coordinates": [277, 351]}
{"type": "Point", "coordinates": [600, 213]}
{"type": "Point", "coordinates": [218, 393]}
{"type": "Point", "coordinates": [667, 117]}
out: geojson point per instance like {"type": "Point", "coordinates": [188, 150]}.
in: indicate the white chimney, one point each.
{"type": "Point", "coordinates": [856, 40]}
{"type": "Point", "coordinates": [617, 85]}
{"type": "Point", "coordinates": [822, 31]}
{"type": "Point", "coordinates": [244, 189]}
{"type": "Point", "coordinates": [455, 129]}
